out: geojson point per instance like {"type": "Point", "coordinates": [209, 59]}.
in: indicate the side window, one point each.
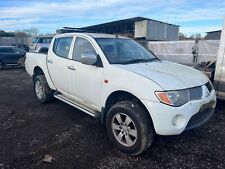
{"type": "Point", "coordinates": [62, 46]}
{"type": "Point", "coordinates": [82, 46]}
{"type": "Point", "coordinates": [47, 40]}
{"type": "Point", "coordinates": [17, 50]}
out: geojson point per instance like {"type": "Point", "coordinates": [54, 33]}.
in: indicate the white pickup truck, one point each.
{"type": "Point", "coordinates": [135, 94]}
{"type": "Point", "coordinates": [40, 44]}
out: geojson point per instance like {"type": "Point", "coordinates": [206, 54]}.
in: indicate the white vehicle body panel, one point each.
{"type": "Point", "coordinates": [172, 76]}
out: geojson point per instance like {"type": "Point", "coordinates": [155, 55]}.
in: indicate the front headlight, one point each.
{"type": "Point", "coordinates": [173, 98]}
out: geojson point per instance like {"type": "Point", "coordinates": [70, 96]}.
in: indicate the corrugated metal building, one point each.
{"type": "Point", "coordinates": [213, 35]}
{"type": "Point", "coordinates": [138, 28]}
{"type": "Point", "coordinates": [156, 30]}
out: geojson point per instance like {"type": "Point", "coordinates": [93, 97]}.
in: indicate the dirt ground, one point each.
{"type": "Point", "coordinates": [29, 131]}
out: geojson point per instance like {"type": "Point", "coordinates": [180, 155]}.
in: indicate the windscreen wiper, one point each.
{"type": "Point", "coordinates": [138, 61]}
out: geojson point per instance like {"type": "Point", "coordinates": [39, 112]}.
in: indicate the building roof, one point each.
{"type": "Point", "coordinates": [126, 21]}
{"type": "Point", "coordinates": [113, 27]}
{"type": "Point", "coordinates": [214, 31]}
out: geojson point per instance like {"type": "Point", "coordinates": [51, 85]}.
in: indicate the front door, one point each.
{"type": "Point", "coordinates": [85, 79]}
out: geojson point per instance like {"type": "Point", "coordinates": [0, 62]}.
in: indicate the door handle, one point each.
{"type": "Point", "coordinates": [71, 68]}
{"type": "Point", "coordinates": [50, 61]}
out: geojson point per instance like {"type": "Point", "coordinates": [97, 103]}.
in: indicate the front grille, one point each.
{"type": "Point", "coordinates": [209, 86]}
{"type": "Point", "coordinates": [195, 93]}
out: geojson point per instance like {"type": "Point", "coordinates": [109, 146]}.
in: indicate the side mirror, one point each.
{"type": "Point", "coordinates": [88, 59]}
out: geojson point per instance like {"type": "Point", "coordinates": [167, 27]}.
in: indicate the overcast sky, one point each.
{"type": "Point", "coordinates": [194, 16]}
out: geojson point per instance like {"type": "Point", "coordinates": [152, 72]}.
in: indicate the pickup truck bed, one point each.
{"type": "Point", "coordinates": [38, 61]}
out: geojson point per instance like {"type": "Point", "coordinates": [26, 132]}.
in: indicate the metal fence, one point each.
{"type": "Point", "coordinates": [182, 51]}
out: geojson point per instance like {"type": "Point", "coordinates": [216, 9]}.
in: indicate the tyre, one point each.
{"type": "Point", "coordinates": [129, 127]}
{"type": "Point", "coordinates": [42, 90]}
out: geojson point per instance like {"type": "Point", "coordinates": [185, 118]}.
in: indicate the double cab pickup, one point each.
{"type": "Point", "coordinates": [114, 78]}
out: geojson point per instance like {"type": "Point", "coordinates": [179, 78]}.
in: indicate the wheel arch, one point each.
{"type": "Point", "coordinates": [117, 96]}
{"type": "Point", "coordinates": [38, 71]}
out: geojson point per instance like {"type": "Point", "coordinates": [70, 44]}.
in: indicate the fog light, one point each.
{"type": "Point", "coordinates": [179, 121]}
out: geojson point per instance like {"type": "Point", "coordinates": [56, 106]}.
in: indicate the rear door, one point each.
{"type": "Point", "coordinates": [57, 62]}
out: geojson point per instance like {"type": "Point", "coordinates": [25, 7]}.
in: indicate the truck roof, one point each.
{"type": "Point", "coordinates": [94, 35]}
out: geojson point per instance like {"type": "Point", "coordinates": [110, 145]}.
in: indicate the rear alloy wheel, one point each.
{"type": "Point", "coordinates": [129, 127]}
{"type": "Point", "coordinates": [42, 90]}
{"type": "Point", "coordinates": [39, 89]}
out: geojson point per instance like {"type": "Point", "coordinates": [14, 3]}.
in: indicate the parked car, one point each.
{"type": "Point", "coordinates": [10, 56]}
{"type": "Point", "coordinates": [40, 42]}
{"type": "Point", "coordinates": [133, 92]}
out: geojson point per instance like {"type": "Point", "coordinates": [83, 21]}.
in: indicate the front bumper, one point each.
{"type": "Point", "coordinates": [168, 120]}
{"type": "Point", "coordinates": [202, 116]}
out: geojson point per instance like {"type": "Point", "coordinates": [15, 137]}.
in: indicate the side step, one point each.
{"type": "Point", "coordinates": [79, 106]}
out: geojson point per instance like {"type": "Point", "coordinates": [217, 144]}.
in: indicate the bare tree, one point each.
{"type": "Point", "coordinates": [182, 36]}
{"type": "Point", "coordinates": [32, 31]}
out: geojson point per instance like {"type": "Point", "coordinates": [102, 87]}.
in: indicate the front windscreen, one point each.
{"type": "Point", "coordinates": [124, 51]}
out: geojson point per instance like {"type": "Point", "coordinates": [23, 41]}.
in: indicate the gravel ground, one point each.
{"type": "Point", "coordinates": [31, 132]}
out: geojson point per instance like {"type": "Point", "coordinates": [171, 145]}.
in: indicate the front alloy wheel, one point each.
{"type": "Point", "coordinates": [124, 129]}
{"type": "Point", "coordinates": [129, 127]}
